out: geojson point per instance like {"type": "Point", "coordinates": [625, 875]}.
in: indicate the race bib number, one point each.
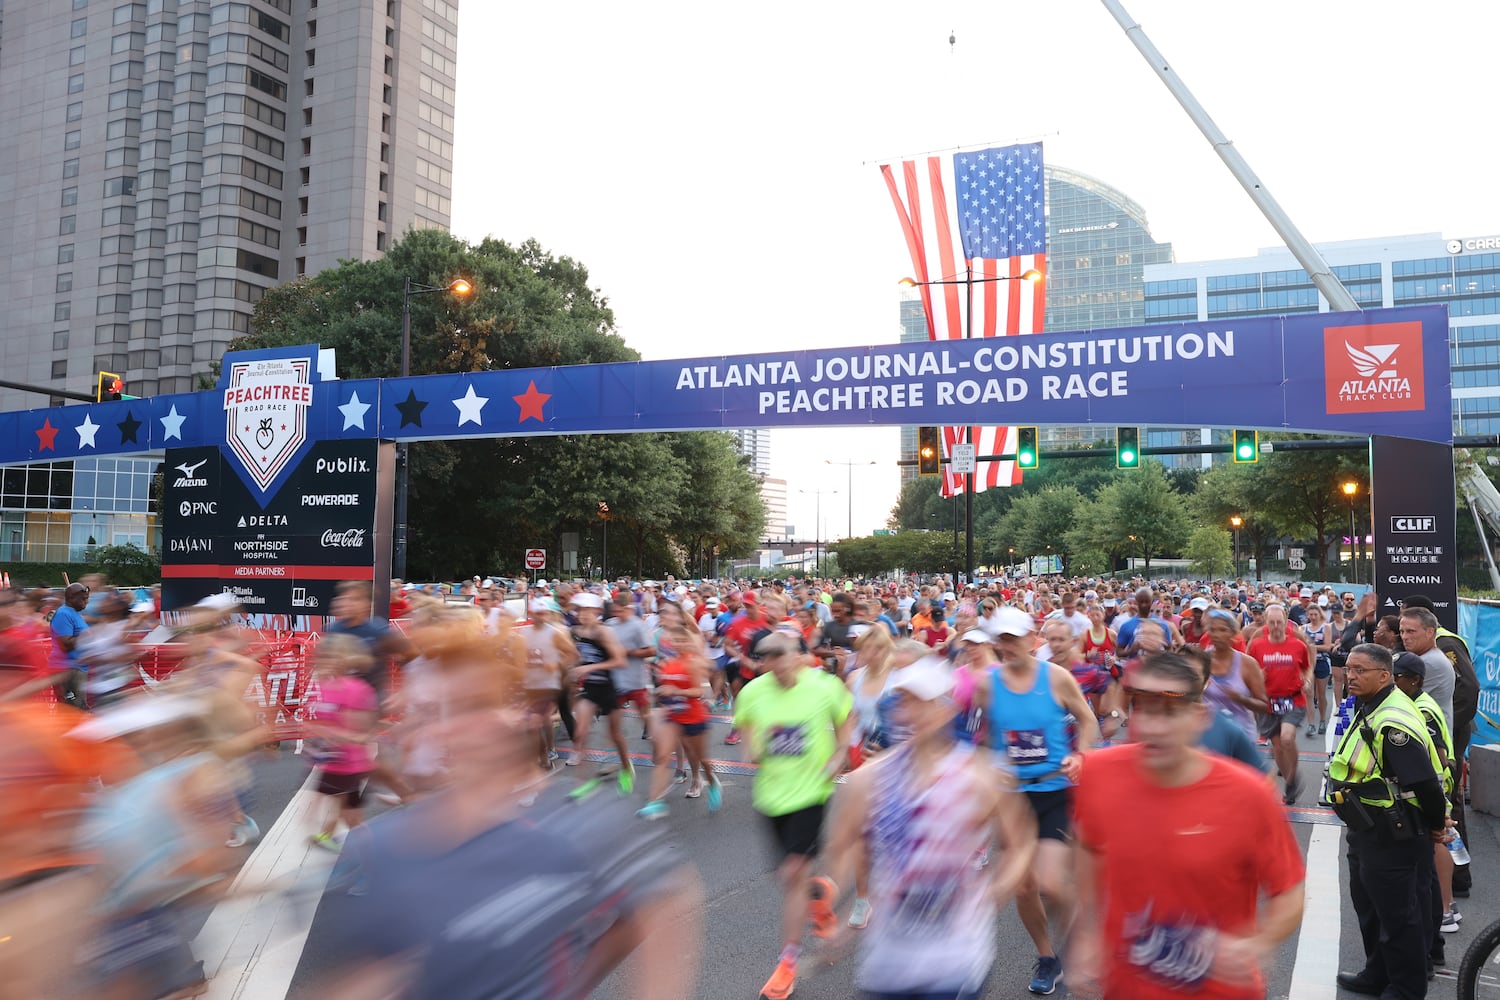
{"type": "Point", "coordinates": [1025, 746]}
{"type": "Point", "coordinates": [786, 741]}
{"type": "Point", "coordinates": [1281, 706]}
{"type": "Point", "coordinates": [922, 908]}
{"type": "Point", "coordinates": [1179, 956]}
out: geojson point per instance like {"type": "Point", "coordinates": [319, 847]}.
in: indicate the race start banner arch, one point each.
{"type": "Point", "coordinates": [1383, 372]}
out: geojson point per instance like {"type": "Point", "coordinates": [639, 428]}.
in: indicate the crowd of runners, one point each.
{"type": "Point", "coordinates": [1112, 758]}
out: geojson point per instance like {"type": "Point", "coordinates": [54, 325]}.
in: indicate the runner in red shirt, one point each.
{"type": "Point", "coordinates": [1168, 902]}
{"type": "Point", "coordinates": [1287, 662]}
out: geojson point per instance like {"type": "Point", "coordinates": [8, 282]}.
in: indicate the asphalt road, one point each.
{"type": "Point", "coordinates": [740, 925]}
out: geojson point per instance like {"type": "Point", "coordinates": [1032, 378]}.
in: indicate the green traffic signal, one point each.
{"type": "Point", "coordinates": [1028, 456]}
{"type": "Point", "coordinates": [1127, 447]}
{"type": "Point", "coordinates": [1246, 446]}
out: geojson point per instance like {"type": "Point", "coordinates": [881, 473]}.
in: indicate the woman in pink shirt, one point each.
{"type": "Point", "coordinates": [343, 721]}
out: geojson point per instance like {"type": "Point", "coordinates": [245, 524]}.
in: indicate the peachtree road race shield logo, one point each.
{"type": "Point", "coordinates": [1373, 369]}
{"type": "Point", "coordinates": [265, 410]}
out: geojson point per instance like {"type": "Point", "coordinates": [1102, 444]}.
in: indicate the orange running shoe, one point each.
{"type": "Point", "coordinates": [824, 893]}
{"type": "Point", "coordinates": [781, 983]}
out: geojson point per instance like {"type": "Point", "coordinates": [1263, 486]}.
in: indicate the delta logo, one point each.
{"type": "Point", "coordinates": [1376, 368]}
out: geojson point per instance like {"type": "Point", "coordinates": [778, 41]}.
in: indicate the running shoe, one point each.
{"type": "Point", "coordinates": [1293, 789]}
{"type": "Point", "coordinates": [655, 809]}
{"type": "Point", "coordinates": [1450, 923]}
{"type": "Point", "coordinates": [243, 833]}
{"type": "Point", "coordinates": [1312, 729]}
{"type": "Point", "coordinates": [1048, 975]}
{"type": "Point", "coordinates": [1453, 909]}
{"type": "Point", "coordinates": [859, 916]}
{"type": "Point", "coordinates": [781, 983]}
{"type": "Point", "coordinates": [733, 739]}
{"type": "Point", "coordinates": [586, 789]}
{"type": "Point", "coordinates": [389, 798]}
{"type": "Point", "coordinates": [679, 776]}
{"type": "Point", "coordinates": [574, 759]}
{"type": "Point", "coordinates": [1322, 727]}
{"type": "Point", "coordinates": [626, 778]}
{"type": "Point", "coordinates": [324, 841]}
{"type": "Point", "coordinates": [825, 923]}
{"type": "Point", "coordinates": [715, 796]}
{"type": "Point", "coordinates": [692, 793]}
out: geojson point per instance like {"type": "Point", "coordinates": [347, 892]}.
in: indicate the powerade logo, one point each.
{"type": "Point", "coordinates": [1411, 524]}
{"type": "Point", "coordinates": [1376, 368]}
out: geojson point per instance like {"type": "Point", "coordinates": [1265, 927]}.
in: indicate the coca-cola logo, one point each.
{"type": "Point", "coordinates": [353, 538]}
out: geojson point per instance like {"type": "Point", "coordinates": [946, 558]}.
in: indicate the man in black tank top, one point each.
{"type": "Point", "coordinates": [599, 652]}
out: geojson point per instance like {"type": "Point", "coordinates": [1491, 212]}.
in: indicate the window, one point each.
{"type": "Point", "coordinates": [127, 41]}
{"type": "Point", "coordinates": [60, 369]}
{"type": "Point", "coordinates": [435, 116]}
{"type": "Point", "coordinates": [75, 83]}
{"type": "Point", "coordinates": [73, 139]}
{"type": "Point", "coordinates": [435, 145]}
{"type": "Point", "coordinates": [434, 173]}
{"type": "Point", "coordinates": [67, 224]}
{"type": "Point", "coordinates": [76, 55]}
{"type": "Point", "coordinates": [438, 62]}
{"type": "Point", "coordinates": [439, 34]}
{"type": "Point", "coordinates": [65, 254]}
{"type": "Point", "coordinates": [302, 236]}
{"type": "Point", "coordinates": [75, 111]}
{"type": "Point", "coordinates": [62, 312]}
{"type": "Point", "coordinates": [384, 181]}
{"type": "Point", "coordinates": [60, 340]}
{"type": "Point", "coordinates": [312, 29]}
{"type": "Point", "coordinates": [69, 196]}
{"type": "Point", "coordinates": [79, 27]}
{"type": "Point", "coordinates": [307, 116]}
{"type": "Point", "coordinates": [385, 152]}
{"type": "Point", "coordinates": [65, 281]}
{"type": "Point", "coordinates": [380, 212]}
{"type": "Point", "coordinates": [433, 87]}
{"type": "Point", "coordinates": [306, 146]}
{"type": "Point", "coordinates": [380, 241]}
{"type": "Point", "coordinates": [442, 9]}
{"type": "Point", "coordinates": [306, 176]}
{"type": "Point", "coordinates": [70, 168]}
{"type": "Point", "coordinates": [302, 205]}
{"type": "Point", "coordinates": [308, 86]}
{"type": "Point", "coordinates": [389, 65]}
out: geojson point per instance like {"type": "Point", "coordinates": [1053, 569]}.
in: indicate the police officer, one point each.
{"type": "Point", "coordinates": [1383, 782]}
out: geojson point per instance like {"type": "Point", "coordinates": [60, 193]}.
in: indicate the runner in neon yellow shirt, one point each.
{"type": "Point", "coordinates": [796, 721]}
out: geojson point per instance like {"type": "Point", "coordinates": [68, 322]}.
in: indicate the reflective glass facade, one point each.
{"type": "Point", "coordinates": [59, 511]}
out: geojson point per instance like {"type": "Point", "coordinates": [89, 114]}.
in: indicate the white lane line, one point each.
{"type": "Point", "coordinates": [1317, 963]}
{"type": "Point", "coordinates": [252, 942]}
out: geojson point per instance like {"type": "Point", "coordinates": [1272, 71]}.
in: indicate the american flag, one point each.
{"type": "Point", "coordinates": [978, 214]}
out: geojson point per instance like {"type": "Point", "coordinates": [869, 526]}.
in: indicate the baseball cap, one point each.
{"type": "Point", "coordinates": [928, 678]}
{"type": "Point", "coordinates": [1322, 600]}
{"type": "Point", "coordinates": [712, 602]}
{"type": "Point", "coordinates": [587, 600]}
{"type": "Point", "coordinates": [1110, 602]}
{"type": "Point", "coordinates": [975, 635]}
{"type": "Point", "coordinates": [950, 596]}
{"type": "Point", "coordinates": [749, 597]}
{"type": "Point", "coordinates": [1409, 663]}
{"type": "Point", "coordinates": [140, 606]}
{"type": "Point", "coordinates": [1198, 604]}
{"type": "Point", "coordinates": [544, 604]}
{"type": "Point", "coordinates": [1008, 621]}
{"type": "Point", "coordinates": [1305, 592]}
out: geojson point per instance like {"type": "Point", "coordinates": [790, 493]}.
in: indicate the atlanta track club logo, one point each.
{"type": "Point", "coordinates": [265, 408]}
{"type": "Point", "coordinates": [1375, 368]}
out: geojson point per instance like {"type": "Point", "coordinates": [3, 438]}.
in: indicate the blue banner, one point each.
{"type": "Point", "coordinates": [1479, 624]}
{"type": "Point", "coordinates": [1384, 371]}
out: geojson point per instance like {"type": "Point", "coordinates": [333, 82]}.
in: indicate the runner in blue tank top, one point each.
{"type": "Point", "coordinates": [1028, 704]}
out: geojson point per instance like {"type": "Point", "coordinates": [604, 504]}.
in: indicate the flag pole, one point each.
{"type": "Point", "coordinates": [969, 432]}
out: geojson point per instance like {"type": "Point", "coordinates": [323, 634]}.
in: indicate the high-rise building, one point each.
{"type": "Point", "coordinates": [168, 161]}
{"type": "Point", "coordinates": [1462, 273]}
{"type": "Point", "coordinates": [165, 163]}
{"type": "Point", "coordinates": [1098, 247]}
{"type": "Point", "coordinates": [755, 444]}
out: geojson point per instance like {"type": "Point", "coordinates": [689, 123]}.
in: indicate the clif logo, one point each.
{"type": "Point", "coordinates": [1375, 368]}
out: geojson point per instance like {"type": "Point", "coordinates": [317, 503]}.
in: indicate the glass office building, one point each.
{"type": "Point", "coordinates": [1423, 269]}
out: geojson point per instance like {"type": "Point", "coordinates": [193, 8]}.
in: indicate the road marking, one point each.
{"type": "Point", "coordinates": [253, 941]}
{"type": "Point", "coordinates": [1317, 963]}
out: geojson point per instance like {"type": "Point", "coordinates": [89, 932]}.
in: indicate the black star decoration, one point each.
{"type": "Point", "coordinates": [411, 409]}
{"type": "Point", "coordinates": [128, 428]}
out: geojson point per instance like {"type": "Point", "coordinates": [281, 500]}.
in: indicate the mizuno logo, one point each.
{"type": "Point", "coordinates": [190, 470]}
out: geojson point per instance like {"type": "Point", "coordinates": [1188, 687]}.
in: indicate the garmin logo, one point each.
{"type": "Point", "coordinates": [330, 500]}
{"type": "Point", "coordinates": [1413, 524]}
{"type": "Point", "coordinates": [338, 466]}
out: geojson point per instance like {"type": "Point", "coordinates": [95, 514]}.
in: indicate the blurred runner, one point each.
{"type": "Point", "coordinates": [681, 692]}
{"type": "Point", "coordinates": [549, 654]}
{"type": "Point", "coordinates": [599, 656]}
{"type": "Point", "coordinates": [343, 724]}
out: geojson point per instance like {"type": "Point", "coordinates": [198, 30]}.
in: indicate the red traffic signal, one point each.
{"type": "Point", "coordinates": [110, 387]}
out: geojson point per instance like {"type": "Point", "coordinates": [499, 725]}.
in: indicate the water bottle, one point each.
{"type": "Point", "coordinates": [1458, 850]}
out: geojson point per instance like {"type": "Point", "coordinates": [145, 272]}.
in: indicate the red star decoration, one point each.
{"type": "Point", "coordinates": [531, 403]}
{"type": "Point", "coordinates": [47, 435]}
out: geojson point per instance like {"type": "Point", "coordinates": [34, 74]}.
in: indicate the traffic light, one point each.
{"type": "Point", "coordinates": [1027, 454]}
{"type": "Point", "coordinates": [1246, 446]}
{"type": "Point", "coordinates": [929, 452]}
{"type": "Point", "coordinates": [1127, 447]}
{"type": "Point", "coordinates": [111, 387]}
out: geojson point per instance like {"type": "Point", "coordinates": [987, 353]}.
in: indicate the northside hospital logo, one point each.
{"type": "Point", "coordinates": [1375, 368]}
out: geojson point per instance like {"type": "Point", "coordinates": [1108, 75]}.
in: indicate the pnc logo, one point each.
{"type": "Point", "coordinates": [1374, 368]}
{"type": "Point", "coordinates": [190, 508]}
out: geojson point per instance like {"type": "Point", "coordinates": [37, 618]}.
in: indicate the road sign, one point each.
{"type": "Point", "coordinates": [884, 531]}
{"type": "Point", "coordinates": [961, 460]}
{"type": "Point", "coordinates": [536, 558]}
{"type": "Point", "coordinates": [1296, 564]}
{"type": "Point", "coordinates": [1295, 553]}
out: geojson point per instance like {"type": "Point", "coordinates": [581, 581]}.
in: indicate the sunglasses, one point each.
{"type": "Point", "coordinates": [1165, 703]}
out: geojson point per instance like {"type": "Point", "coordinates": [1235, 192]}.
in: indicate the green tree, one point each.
{"type": "Point", "coordinates": [476, 505]}
{"type": "Point", "coordinates": [1303, 490]}
{"type": "Point", "coordinates": [1227, 491]}
{"type": "Point", "coordinates": [1139, 514]}
{"type": "Point", "coordinates": [1210, 549]}
{"type": "Point", "coordinates": [127, 565]}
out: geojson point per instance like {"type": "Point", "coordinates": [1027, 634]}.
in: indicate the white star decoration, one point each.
{"type": "Point", "coordinates": [86, 431]}
{"type": "Point", "coordinates": [469, 406]}
{"type": "Point", "coordinates": [172, 423]}
{"type": "Point", "coordinates": [354, 411]}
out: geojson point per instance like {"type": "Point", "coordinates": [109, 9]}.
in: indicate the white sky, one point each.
{"type": "Point", "coordinates": [716, 168]}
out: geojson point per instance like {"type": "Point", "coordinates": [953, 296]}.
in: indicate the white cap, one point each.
{"type": "Point", "coordinates": [928, 679]}
{"type": "Point", "coordinates": [587, 600]}
{"type": "Point", "coordinates": [680, 590]}
{"type": "Point", "coordinates": [949, 596]}
{"type": "Point", "coordinates": [222, 602]}
{"type": "Point", "coordinates": [140, 606]}
{"type": "Point", "coordinates": [975, 635]}
{"type": "Point", "coordinates": [1306, 592]}
{"type": "Point", "coordinates": [1006, 620]}
{"type": "Point", "coordinates": [541, 583]}
{"type": "Point", "coordinates": [712, 602]}
{"type": "Point", "coordinates": [487, 584]}
{"type": "Point", "coordinates": [544, 604]}
{"type": "Point", "coordinates": [1322, 600]}
{"type": "Point", "coordinates": [1198, 604]}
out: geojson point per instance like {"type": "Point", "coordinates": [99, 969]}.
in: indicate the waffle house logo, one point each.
{"type": "Point", "coordinates": [1373, 369]}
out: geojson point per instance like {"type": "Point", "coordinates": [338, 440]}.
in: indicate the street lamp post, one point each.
{"type": "Point", "coordinates": [1236, 520]}
{"type": "Point", "coordinates": [461, 288]}
{"type": "Point", "coordinates": [818, 526]}
{"type": "Point", "coordinates": [850, 466]}
{"type": "Point", "coordinates": [604, 553]}
{"type": "Point", "coordinates": [1030, 275]}
{"type": "Point", "coordinates": [1351, 488]}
